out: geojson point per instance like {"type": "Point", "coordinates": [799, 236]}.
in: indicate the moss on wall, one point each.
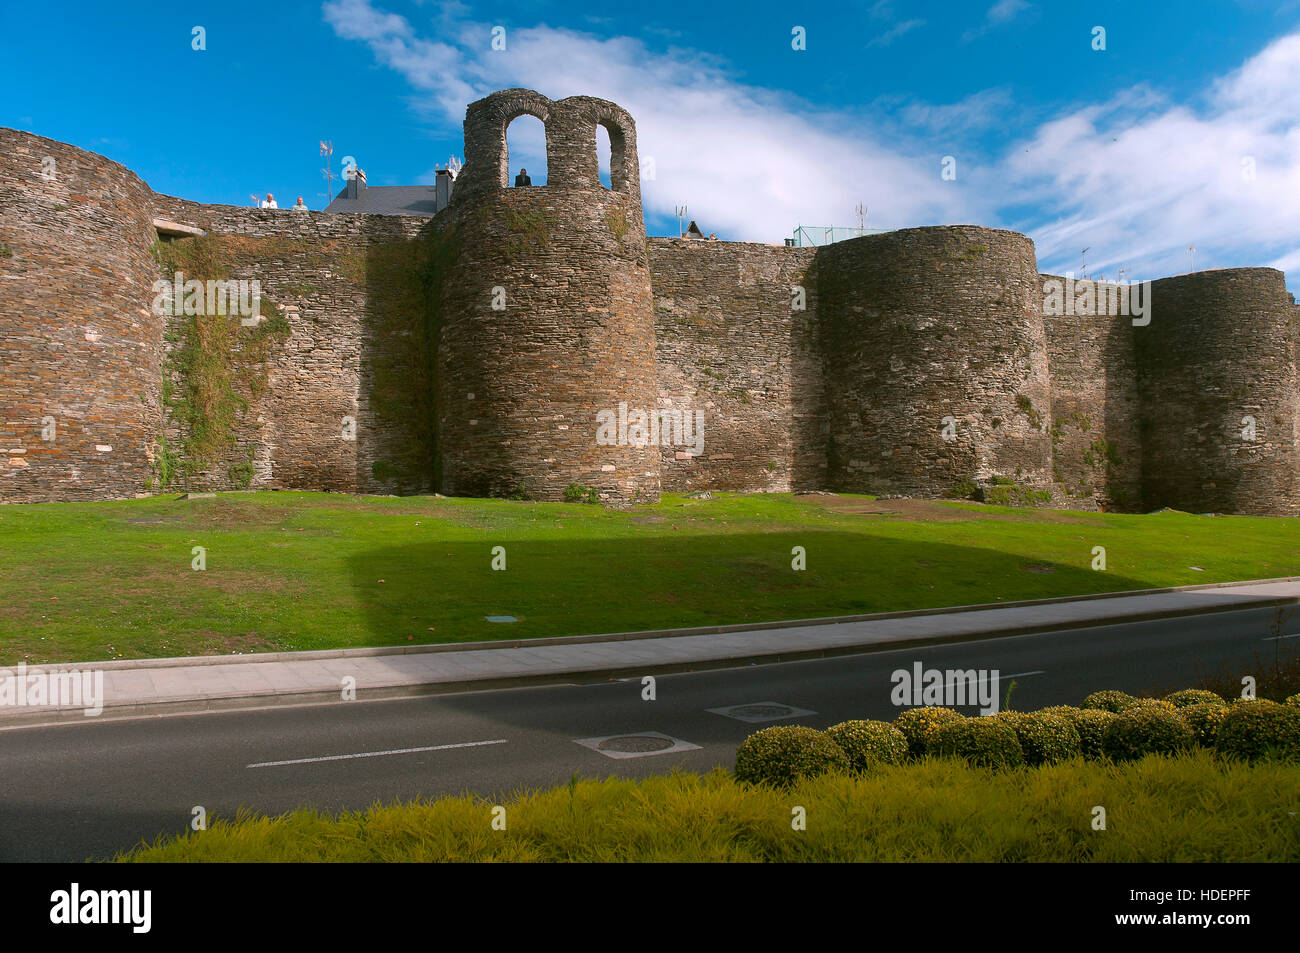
{"type": "Point", "coordinates": [215, 367]}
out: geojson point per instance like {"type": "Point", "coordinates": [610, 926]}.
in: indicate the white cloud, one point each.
{"type": "Point", "coordinates": [1136, 178]}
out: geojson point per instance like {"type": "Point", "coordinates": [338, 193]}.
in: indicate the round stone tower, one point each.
{"type": "Point", "coordinates": [936, 362]}
{"type": "Point", "coordinates": [80, 349]}
{"type": "Point", "coordinates": [544, 311]}
{"type": "Point", "coordinates": [1218, 392]}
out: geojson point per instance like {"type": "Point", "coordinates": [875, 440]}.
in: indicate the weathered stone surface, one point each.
{"type": "Point", "coordinates": [813, 369]}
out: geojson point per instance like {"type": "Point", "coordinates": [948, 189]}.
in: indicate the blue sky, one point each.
{"type": "Point", "coordinates": [1136, 151]}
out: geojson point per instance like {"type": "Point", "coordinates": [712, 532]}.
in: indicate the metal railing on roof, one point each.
{"type": "Point", "coordinates": [814, 235]}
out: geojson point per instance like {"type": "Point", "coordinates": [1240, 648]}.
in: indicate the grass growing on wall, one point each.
{"type": "Point", "coordinates": [288, 570]}
{"type": "Point", "coordinates": [215, 367]}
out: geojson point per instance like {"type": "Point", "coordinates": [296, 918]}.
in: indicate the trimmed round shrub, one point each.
{"type": "Point", "coordinates": [1109, 701]}
{"type": "Point", "coordinates": [1194, 696]}
{"type": "Point", "coordinates": [1205, 720]}
{"type": "Point", "coordinates": [783, 754]}
{"type": "Point", "coordinates": [1146, 729]}
{"type": "Point", "coordinates": [1153, 703]}
{"type": "Point", "coordinates": [1091, 724]}
{"type": "Point", "coordinates": [1045, 737]}
{"type": "Point", "coordinates": [921, 725]}
{"type": "Point", "coordinates": [869, 743]}
{"type": "Point", "coordinates": [988, 742]}
{"type": "Point", "coordinates": [1258, 729]}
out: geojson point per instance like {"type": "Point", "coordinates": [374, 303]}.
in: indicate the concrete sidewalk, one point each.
{"type": "Point", "coordinates": [163, 686]}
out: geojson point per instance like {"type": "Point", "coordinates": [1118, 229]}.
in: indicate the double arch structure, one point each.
{"type": "Point", "coordinates": [570, 126]}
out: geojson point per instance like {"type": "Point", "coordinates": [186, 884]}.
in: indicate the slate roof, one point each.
{"type": "Point", "coordinates": [389, 200]}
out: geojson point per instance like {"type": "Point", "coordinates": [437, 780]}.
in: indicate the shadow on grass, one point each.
{"type": "Point", "coordinates": [443, 592]}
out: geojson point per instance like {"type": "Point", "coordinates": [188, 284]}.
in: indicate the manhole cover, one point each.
{"type": "Point", "coordinates": [641, 744]}
{"type": "Point", "coordinates": [762, 711]}
{"type": "Point", "coordinates": [635, 744]}
{"type": "Point", "coordinates": [755, 712]}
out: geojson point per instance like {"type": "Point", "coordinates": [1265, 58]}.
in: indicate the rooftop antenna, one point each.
{"type": "Point", "coordinates": [681, 212]}
{"type": "Point", "coordinates": [1191, 253]}
{"type": "Point", "coordinates": [1083, 262]}
{"type": "Point", "coordinates": [1122, 273]}
{"type": "Point", "coordinates": [862, 217]}
{"type": "Point", "coordinates": [327, 150]}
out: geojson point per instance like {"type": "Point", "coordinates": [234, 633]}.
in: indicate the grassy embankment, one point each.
{"type": "Point", "coordinates": [82, 581]}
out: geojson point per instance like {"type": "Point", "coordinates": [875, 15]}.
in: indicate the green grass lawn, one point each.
{"type": "Point", "coordinates": [82, 581]}
{"type": "Point", "coordinates": [1190, 808]}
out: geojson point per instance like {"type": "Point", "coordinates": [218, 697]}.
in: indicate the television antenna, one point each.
{"type": "Point", "coordinates": [681, 212]}
{"type": "Point", "coordinates": [327, 150]}
{"type": "Point", "coordinates": [1191, 254]}
{"type": "Point", "coordinates": [862, 217]}
{"type": "Point", "coordinates": [1083, 262]}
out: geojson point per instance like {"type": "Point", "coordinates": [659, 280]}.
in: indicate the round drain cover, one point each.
{"type": "Point", "coordinates": [632, 744]}
{"type": "Point", "coordinates": [761, 711]}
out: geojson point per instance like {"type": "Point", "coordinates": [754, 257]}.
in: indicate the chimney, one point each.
{"type": "Point", "coordinates": [444, 180]}
{"type": "Point", "coordinates": [356, 183]}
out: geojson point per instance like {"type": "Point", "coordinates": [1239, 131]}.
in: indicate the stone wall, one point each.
{"type": "Point", "coordinates": [339, 406]}
{"type": "Point", "coordinates": [1220, 349]}
{"type": "Point", "coordinates": [1095, 405]}
{"type": "Point", "coordinates": [733, 344]}
{"type": "Point", "coordinates": [79, 348]}
{"type": "Point", "coordinates": [391, 370]}
{"type": "Point", "coordinates": [928, 328]}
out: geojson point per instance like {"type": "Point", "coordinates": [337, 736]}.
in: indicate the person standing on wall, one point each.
{"type": "Point", "coordinates": [522, 178]}
{"type": "Point", "coordinates": [269, 201]}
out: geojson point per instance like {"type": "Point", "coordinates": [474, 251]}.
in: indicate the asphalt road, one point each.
{"type": "Point", "coordinates": [72, 792]}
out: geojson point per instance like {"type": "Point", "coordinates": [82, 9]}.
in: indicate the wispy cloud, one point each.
{"type": "Point", "coordinates": [1004, 11]}
{"type": "Point", "coordinates": [1137, 178]}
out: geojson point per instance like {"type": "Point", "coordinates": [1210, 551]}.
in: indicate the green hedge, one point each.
{"type": "Point", "coordinates": [1193, 696]}
{"type": "Point", "coordinates": [1146, 729]}
{"type": "Point", "coordinates": [921, 726]}
{"type": "Point", "coordinates": [1260, 729]}
{"type": "Point", "coordinates": [1045, 737]}
{"type": "Point", "coordinates": [987, 742]}
{"type": "Point", "coordinates": [783, 754]}
{"type": "Point", "coordinates": [1204, 720]}
{"type": "Point", "coordinates": [869, 744]}
{"type": "Point", "coordinates": [1109, 701]}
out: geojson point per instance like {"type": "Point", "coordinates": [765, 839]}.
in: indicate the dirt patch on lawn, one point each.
{"type": "Point", "coordinates": [935, 511]}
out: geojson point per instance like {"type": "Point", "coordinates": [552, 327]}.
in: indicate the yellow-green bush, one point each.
{"type": "Point", "coordinates": [1159, 810]}
{"type": "Point", "coordinates": [1146, 729]}
{"type": "Point", "coordinates": [869, 743]}
{"type": "Point", "coordinates": [921, 726]}
{"type": "Point", "coordinates": [1109, 701]}
{"type": "Point", "coordinates": [1204, 720]}
{"type": "Point", "coordinates": [1193, 696]}
{"type": "Point", "coordinates": [986, 742]}
{"type": "Point", "coordinates": [1045, 737]}
{"type": "Point", "coordinates": [1091, 724]}
{"type": "Point", "coordinates": [782, 754]}
{"type": "Point", "coordinates": [1259, 729]}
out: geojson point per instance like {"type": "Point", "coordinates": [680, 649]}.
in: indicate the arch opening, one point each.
{"type": "Point", "coordinates": [603, 152]}
{"type": "Point", "coordinates": [526, 148]}
{"type": "Point", "coordinates": [612, 163]}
